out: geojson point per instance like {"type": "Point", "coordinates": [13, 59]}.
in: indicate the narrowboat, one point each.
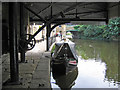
{"type": "Point", "coordinates": [63, 56]}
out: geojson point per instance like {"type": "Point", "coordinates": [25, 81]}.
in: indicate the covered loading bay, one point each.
{"type": "Point", "coordinates": [17, 15]}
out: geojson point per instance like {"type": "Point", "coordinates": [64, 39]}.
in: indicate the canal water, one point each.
{"type": "Point", "coordinates": [97, 66]}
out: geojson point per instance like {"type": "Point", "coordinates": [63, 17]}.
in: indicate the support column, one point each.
{"type": "Point", "coordinates": [14, 73]}
{"type": "Point", "coordinates": [22, 32]}
{"type": "Point", "coordinates": [47, 36]}
{"type": "Point", "coordinates": [107, 12]}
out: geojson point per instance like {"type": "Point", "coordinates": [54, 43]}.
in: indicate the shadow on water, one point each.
{"type": "Point", "coordinates": [97, 66]}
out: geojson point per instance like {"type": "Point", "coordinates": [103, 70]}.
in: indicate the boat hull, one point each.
{"type": "Point", "coordinates": [61, 67]}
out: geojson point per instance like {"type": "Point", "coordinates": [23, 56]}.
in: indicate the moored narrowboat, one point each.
{"type": "Point", "coordinates": [63, 56]}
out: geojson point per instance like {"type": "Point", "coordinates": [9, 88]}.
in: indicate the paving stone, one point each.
{"type": "Point", "coordinates": [14, 86]}
{"type": "Point", "coordinates": [25, 79]}
{"type": "Point", "coordinates": [5, 77]}
{"type": "Point", "coordinates": [34, 73]}
{"type": "Point", "coordinates": [41, 83]}
{"type": "Point", "coordinates": [42, 66]}
{"type": "Point", "coordinates": [41, 74]}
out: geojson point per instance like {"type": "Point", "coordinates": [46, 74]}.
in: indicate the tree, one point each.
{"type": "Point", "coordinates": [112, 29]}
{"type": "Point", "coordinates": [109, 31]}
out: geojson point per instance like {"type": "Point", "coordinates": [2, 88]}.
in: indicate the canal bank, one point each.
{"type": "Point", "coordinates": [34, 73]}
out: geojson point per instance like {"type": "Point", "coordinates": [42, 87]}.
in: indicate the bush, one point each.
{"type": "Point", "coordinates": [101, 32]}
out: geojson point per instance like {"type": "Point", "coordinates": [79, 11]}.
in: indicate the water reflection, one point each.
{"type": "Point", "coordinates": [97, 65]}
{"type": "Point", "coordinates": [66, 81]}
{"type": "Point", "coordinates": [92, 75]}
{"type": "Point", "coordinates": [100, 52]}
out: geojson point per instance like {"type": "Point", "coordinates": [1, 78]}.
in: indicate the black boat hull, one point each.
{"type": "Point", "coordinates": [61, 67]}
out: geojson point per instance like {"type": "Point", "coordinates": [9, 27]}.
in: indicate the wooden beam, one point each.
{"type": "Point", "coordinates": [34, 13]}
{"type": "Point", "coordinates": [70, 19]}
{"type": "Point", "coordinates": [86, 12]}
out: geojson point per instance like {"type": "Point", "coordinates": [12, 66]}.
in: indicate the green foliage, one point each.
{"type": "Point", "coordinates": [69, 34]}
{"type": "Point", "coordinates": [81, 52]}
{"type": "Point", "coordinates": [112, 29]}
{"type": "Point", "coordinates": [40, 26]}
{"type": "Point", "coordinates": [53, 49]}
{"type": "Point", "coordinates": [76, 27]}
{"type": "Point", "coordinates": [83, 55]}
{"type": "Point", "coordinates": [101, 32]}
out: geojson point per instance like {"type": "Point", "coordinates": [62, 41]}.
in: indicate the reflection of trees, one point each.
{"type": "Point", "coordinates": [109, 54]}
{"type": "Point", "coordinates": [86, 50]}
{"type": "Point", "coordinates": [107, 51]}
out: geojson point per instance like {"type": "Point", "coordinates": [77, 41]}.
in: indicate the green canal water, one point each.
{"type": "Point", "coordinates": [97, 65]}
